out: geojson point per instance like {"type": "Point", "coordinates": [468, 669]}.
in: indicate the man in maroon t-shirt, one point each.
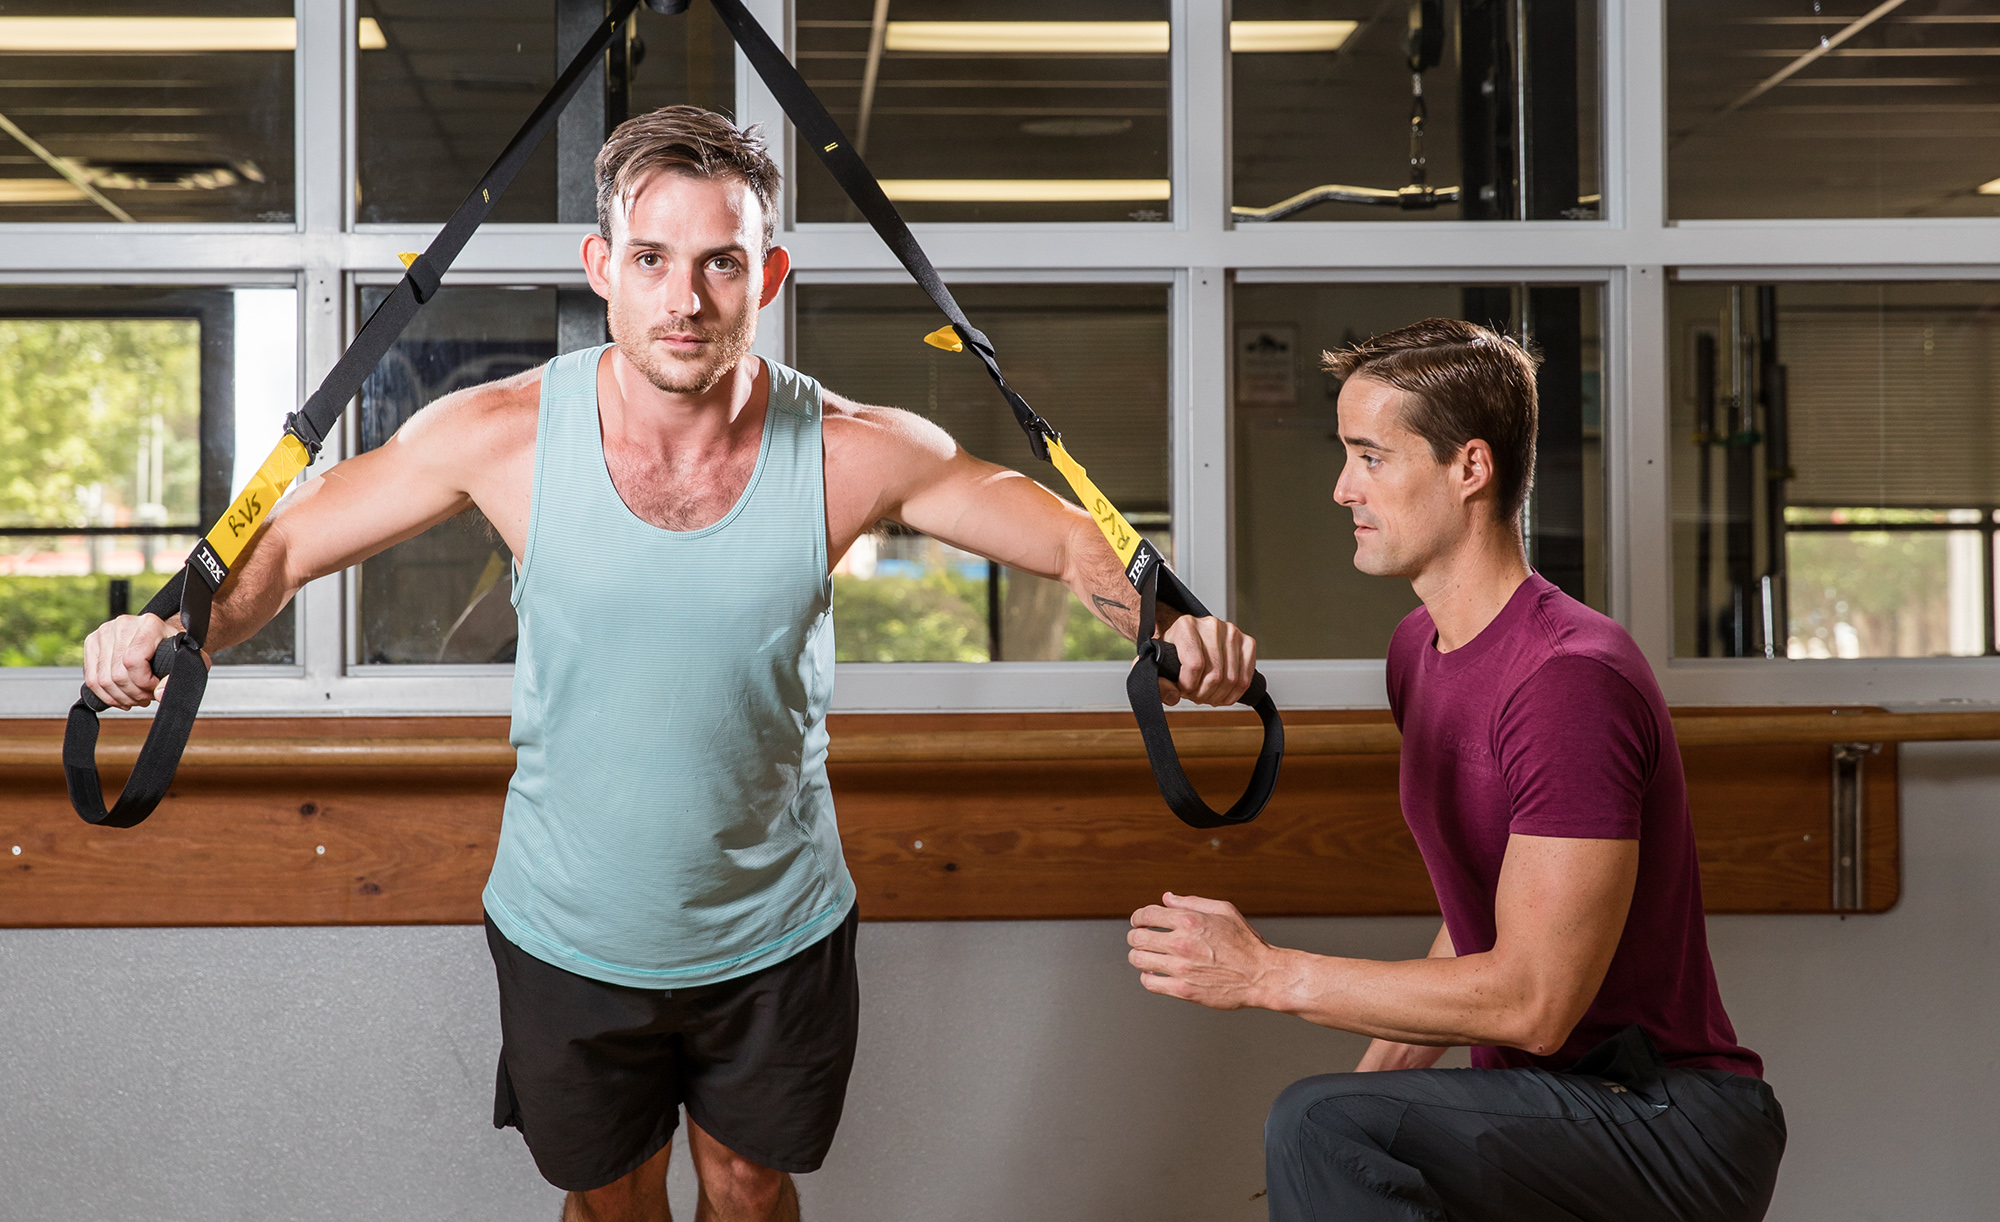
{"type": "Point", "coordinates": [1542, 782]}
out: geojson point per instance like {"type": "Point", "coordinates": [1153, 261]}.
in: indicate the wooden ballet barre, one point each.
{"type": "Point", "coordinates": [1694, 729]}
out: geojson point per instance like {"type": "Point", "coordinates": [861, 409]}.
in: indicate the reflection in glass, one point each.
{"type": "Point", "coordinates": [444, 595]}
{"type": "Point", "coordinates": [453, 80]}
{"type": "Point", "coordinates": [1780, 109]}
{"type": "Point", "coordinates": [974, 110]}
{"type": "Point", "coordinates": [1091, 358]}
{"type": "Point", "coordinates": [1834, 469]}
{"type": "Point", "coordinates": [119, 414]}
{"type": "Point", "coordinates": [1474, 110]}
{"type": "Point", "coordinates": [1297, 590]}
{"type": "Point", "coordinates": [170, 111]}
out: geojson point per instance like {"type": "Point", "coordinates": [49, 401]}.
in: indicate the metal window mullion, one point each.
{"type": "Point", "coordinates": [757, 104]}
{"type": "Point", "coordinates": [1198, 414]}
{"type": "Point", "coordinates": [1615, 428]}
{"type": "Point", "coordinates": [326, 70]}
{"type": "Point", "coordinates": [1647, 500]}
{"type": "Point", "coordinates": [1639, 490]}
{"type": "Point", "coordinates": [1201, 437]}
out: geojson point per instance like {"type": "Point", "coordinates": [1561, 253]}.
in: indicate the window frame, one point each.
{"type": "Point", "coordinates": [1630, 251]}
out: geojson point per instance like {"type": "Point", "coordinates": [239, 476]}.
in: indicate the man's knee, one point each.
{"type": "Point", "coordinates": [736, 1186]}
{"type": "Point", "coordinates": [1335, 1107]}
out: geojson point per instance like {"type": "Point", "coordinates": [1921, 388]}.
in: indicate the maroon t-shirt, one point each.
{"type": "Point", "coordinates": [1549, 723]}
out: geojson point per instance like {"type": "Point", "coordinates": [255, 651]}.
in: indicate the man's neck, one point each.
{"type": "Point", "coordinates": [1467, 589]}
{"type": "Point", "coordinates": [636, 411]}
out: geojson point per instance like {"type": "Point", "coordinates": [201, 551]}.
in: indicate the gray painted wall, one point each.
{"type": "Point", "coordinates": [1007, 1072]}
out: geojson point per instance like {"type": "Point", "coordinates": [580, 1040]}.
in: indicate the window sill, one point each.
{"type": "Point", "coordinates": [961, 738]}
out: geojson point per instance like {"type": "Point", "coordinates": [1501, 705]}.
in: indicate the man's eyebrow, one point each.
{"type": "Point", "coordinates": [732, 248]}
{"type": "Point", "coordinates": [1364, 443]}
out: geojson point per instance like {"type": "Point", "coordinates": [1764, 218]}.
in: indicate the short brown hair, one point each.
{"type": "Point", "coordinates": [1463, 381]}
{"type": "Point", "coordinates": [685, 140]}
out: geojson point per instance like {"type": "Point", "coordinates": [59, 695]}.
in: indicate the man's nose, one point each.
{"type": "Point", "coordinates": [1343, 491]}
{"type": "Point", "coordinates": [682, 298]}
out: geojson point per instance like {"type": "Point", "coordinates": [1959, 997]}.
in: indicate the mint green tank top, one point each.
{"type": "Point", "coordinates": [669, 822]}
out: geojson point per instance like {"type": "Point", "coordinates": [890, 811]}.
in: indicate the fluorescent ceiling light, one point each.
{"type": "Point", "coordinates": [39, 191]}
{"type": "Point", "coordinates": [1245, 36]}
{"type": "Point", "coordinates": [1990, 188]}
{"type": "Point", "coordinates": [162, 35]}
{"type": "Point", "coordinates": [1025, 190]}
{"type": "Point", "coordinates": [1102, 37]}
{"type": "Point", "coordinates": [1029, 37]}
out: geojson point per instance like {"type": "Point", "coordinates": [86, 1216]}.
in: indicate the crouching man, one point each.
{"type": "Point", "coordinates": [1542, 782]}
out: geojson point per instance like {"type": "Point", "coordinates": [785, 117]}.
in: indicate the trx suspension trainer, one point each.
{"type": "Point", "coordinates": [192, 591]}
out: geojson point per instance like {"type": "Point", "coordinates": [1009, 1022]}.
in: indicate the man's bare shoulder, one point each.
{"type": "Point", "coordinates": [863, 431]}
{"type": "Point", "coordinates": [490, 419]}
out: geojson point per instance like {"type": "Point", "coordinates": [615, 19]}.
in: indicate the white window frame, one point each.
{"type": "Point", "coordinates": [1629, 252]}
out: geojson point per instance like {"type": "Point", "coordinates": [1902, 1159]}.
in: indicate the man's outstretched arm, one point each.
{"type": "Point", "coordinates": [884, 463]}
{"type": "Point", "coordinates": [358, 508]}
{"type": "Point", "coordinates": [1559, 912]}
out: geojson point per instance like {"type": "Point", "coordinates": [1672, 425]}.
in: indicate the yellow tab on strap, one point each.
{"type": "Point", "coordinates": [254, 503]}
{"type": "Point", "coordinates": [408, 256]}
{"type": "Point", "coordinates": [1117, 531]}
{"type": "Point", "coordinates": [945, 337]}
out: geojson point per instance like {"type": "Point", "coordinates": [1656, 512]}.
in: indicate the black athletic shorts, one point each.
{"type": "Point", "coordinates": [594, 1074]}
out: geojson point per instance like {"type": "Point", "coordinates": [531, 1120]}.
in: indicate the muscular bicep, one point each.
{"type": "Point", "coordinates": [361, 506]}
{"type": "Point", "coordinates": [1559, 913]}
{"type": "Point", "coordinates": [476, 447]}
{"type": "Point", "coordinates": [885, 463]}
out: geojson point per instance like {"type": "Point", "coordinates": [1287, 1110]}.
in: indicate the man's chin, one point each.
{"type": "Point", "coordinates": [679, 375]}
{"type": "Point", "coordinates": [1374, 563]}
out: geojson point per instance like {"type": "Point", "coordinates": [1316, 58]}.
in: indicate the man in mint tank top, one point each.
{"type": "Point", "coordinates": [669, 914]}
{"type": "Point", "coordinates": [1542, 783]}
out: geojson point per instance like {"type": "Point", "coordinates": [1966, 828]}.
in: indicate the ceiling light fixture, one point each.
{"type": "Point", "coordinates": [1102, 37]}
{"type": "Point", "coordinates": [1026, 190]}
{"type": "Point", "coordinates": [162, 35]}
{"type": "Point", "coordinates": [39, 191]}
{"type": "Point", "coordinates": [1260, 36]}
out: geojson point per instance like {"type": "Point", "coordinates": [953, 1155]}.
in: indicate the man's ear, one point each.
{"type": "Point", "coordinates": [596, 256]}
{"type": "Point", "coordinates": [1475, 470]}
{"type": "Point", "coordinates": [777, 265]}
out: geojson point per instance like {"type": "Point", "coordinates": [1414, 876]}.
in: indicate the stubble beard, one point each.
{"type": "Point", "coordinates": [676, 377]}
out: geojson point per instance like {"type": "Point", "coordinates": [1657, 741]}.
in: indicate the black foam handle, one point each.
{"type": "Point", "coordinates": [163, 665]}
{"type": "Point", "coordinates": [1167, 660]}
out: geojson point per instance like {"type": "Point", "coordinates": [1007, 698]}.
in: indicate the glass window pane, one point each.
{"type": "Point", "coordinates": [1297, 590]}
{"type": "Point", "coordinates": [1092, 359]}
{"type": "Point", "coordinates": [453, 80]}
{"type": "Point", "coordinates": [443, 596]}
{"type": "Point", "coordinates": [120, 410]}
{"type": "Point", "coordinates": [161, 111]}
{"type": "Point", "coordinates": [1834, 469]}
{"type": "Point", "coordinates": [976, 110]}
{"type": "Point", "coordinates": [1788, 110]}
{"type": "Point", "coordinates": [1327, 108]}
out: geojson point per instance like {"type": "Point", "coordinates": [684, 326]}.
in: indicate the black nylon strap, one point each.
{"type": "Point", "coordinates": [322, 411]}
{"type": "Point", "coordinates": [1157, 660]}
{"type": "Point", "coordinates": [817, 129]}
{"type": "Point", "coordinates": [1154, 580]}
{"type": "Point", "coordinates": [187, 675]}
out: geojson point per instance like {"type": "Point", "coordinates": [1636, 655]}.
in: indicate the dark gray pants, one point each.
{"type": "Point", "coordinates": [1466, 1145]}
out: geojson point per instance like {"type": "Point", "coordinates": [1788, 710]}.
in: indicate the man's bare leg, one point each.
{"type": "Point", "coordinates": [734, 1189]}
{"type": "Point", "coordinates": [640, 1196]}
